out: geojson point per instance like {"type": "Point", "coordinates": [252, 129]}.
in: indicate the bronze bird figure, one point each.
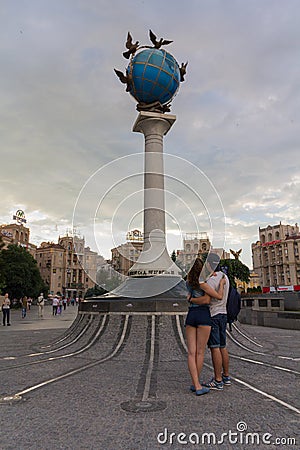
{"type": "Point", "coordinates": [236, 254]}
{"type": "Point", "coordinates": [157, 44]}
{"type": "Point", "coordinates": [132, 48]}
{"type": "Point", "coordinates": [126, 79]}
{"type": "Point", "coordinates": [182, 70]}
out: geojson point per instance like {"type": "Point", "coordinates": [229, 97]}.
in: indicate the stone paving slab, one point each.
{"type": "Point", "coordinates": [85, 411]}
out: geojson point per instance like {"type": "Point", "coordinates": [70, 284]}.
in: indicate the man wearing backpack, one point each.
{"type": "Point", "coordinates": [217, 338]}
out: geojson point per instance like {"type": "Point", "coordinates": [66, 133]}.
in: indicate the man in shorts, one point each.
{"type": "Point", "coordinates": [217, 338]}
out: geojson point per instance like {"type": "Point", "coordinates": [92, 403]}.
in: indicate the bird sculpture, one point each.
{"type": "Point", "coordinates": [182, 71]}
{"type": "Point", "coordinates": [132, 48]}
{"type": "Point", "coordinates": [236, 254]}
{"type": "Point", "coordinates": [126, 79]}
{"type": "Point", "coordinates": [157, 44]}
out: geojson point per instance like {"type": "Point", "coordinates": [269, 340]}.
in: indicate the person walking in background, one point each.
{"type": "Point", "coordinates": [198, 322]}
{"type": "Point", "coordinates": [24, 304]}
{"type": "Point", "coordinates": [41, 304]}
{"type": "Point", "coordinates": [59, 306]}
{"type": "Point", "coordinates": [6, 310]}
{"type": "Point", "coordinates": [64, 301]}
{"type": "Point", "coordinates": [29, 303]}
{"type": "Point", "coordinates": [55, 303]}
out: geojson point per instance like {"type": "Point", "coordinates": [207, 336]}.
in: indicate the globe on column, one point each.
{"type": "Point", "coordinates": [154, 76]}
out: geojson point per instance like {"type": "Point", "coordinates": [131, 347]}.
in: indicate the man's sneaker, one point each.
{"type": "Point", "coordinates": [213, 384]}
{"type": "Point", "coordinates": [226, 380]}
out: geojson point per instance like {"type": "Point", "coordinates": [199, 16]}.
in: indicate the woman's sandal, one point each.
{"type": "Point", "coordinates": [204, 390]}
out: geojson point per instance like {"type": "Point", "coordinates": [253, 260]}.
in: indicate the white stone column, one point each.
{"type": "Point", "coordinates": [154, 259]}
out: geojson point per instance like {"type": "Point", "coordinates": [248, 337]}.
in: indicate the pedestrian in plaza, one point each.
{"type": "Point", "coordinates": [24, 305]}
{"type": "Point", "coordinates": [198, 322]}
{"type": "Point", "coordinates": [59, 307]}
{"type": "Point", "coordinates": [41, 304]}
{"type": "Point", "coordinates": [6, 310]}
{"type": "Point", "coordinates": [55, 303]}
{"type": "Point", "coordinates": [64, 302]}
{"type": "Point", "coordinates": [29, 303]}
{"type": "Point", "coordinates": [217, 338]}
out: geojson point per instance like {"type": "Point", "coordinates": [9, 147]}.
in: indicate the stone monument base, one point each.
{"type": "Point", "coordinates": [151, 294]}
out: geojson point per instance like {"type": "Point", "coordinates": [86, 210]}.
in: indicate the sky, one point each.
{"type": "Point", "coordinates": [69, 157]}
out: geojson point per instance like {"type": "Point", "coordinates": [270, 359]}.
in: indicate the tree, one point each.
{"type": "Point", "coordinates": [20, 273]}
{"type": "Point", "coordinates": [234, 268]}
{"type": "Point", "coordinates": [173, 256]}
{"type": "Point", "coordinates": [1, 243]}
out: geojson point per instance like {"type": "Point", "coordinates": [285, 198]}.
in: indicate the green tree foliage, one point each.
{"type": "Point", "coordinates": [173, 256]}
{"type": "Point", "coordinates": [1, 242]}
{"type": "Point", "coordinates": [235, 269]}
{"type": "Point", "coordinates": [254, 290]}
{"type": "Point", "coordinates": [20, 273]}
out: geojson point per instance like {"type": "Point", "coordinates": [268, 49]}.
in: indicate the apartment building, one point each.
{"type": "Point", "coordinates": [125, 255]}
{"type": "Point", "coordinates": [195, 244]}
{"type": "Point", "coordinates": [275, 257]}
{"type": "Point", "coordinates": [17, 234]}
{"type": "Point", "coordinates": [68, 268]}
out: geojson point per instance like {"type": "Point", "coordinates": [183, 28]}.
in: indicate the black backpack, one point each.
{"type": "Point", "coordinates": [233, 305]}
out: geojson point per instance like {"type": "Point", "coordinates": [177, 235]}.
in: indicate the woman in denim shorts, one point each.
{"type": "Point", "coordinates": [198, 322]}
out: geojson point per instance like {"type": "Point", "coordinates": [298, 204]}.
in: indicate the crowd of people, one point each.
{"type": "Point", "coordinates": [59, 304]}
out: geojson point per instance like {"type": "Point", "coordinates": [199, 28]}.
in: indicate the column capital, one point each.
{"type": "Point", "coordinates": [146, 117]}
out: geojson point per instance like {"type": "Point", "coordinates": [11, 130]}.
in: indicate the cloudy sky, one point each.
{"type": "Point", "coordinates": [68, 153]}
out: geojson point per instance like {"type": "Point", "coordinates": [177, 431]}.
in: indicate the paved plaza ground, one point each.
{"type": "Point", "coordinates": [109, 382]}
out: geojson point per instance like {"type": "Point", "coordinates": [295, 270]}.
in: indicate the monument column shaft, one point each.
{"type": "Point", "coordinates": [154, 258]}
{"type": "Point", "coordinates": [154, 126]}
{"type": "Point", "coordinates": [154, 195]}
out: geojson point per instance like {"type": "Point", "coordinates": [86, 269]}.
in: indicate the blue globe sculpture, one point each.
{"type": "Point", "coordinates": [154, 76]}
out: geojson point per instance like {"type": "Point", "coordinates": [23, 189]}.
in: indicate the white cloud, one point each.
{"type": "Point", "coordinates": [64, 114]}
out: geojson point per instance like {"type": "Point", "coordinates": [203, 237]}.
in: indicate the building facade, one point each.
{"type": "Point", "coordinates": [275, 257]}
{"type": "Point", "coordinates": [50, 259]}
{"type": "Point", "coordinates": [253, 283]}
{"type": "Point", "coordinates": [195, 244]}
{"type": "Point", "coordinates": [125, 255]}
{"type": "Point", "coordinates": [68, 268]}
{"type": "Point", "coordinates": [17, 234]}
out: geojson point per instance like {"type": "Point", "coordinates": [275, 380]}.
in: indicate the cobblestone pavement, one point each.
{"type": "Point", "coordinates": [121, 382]}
